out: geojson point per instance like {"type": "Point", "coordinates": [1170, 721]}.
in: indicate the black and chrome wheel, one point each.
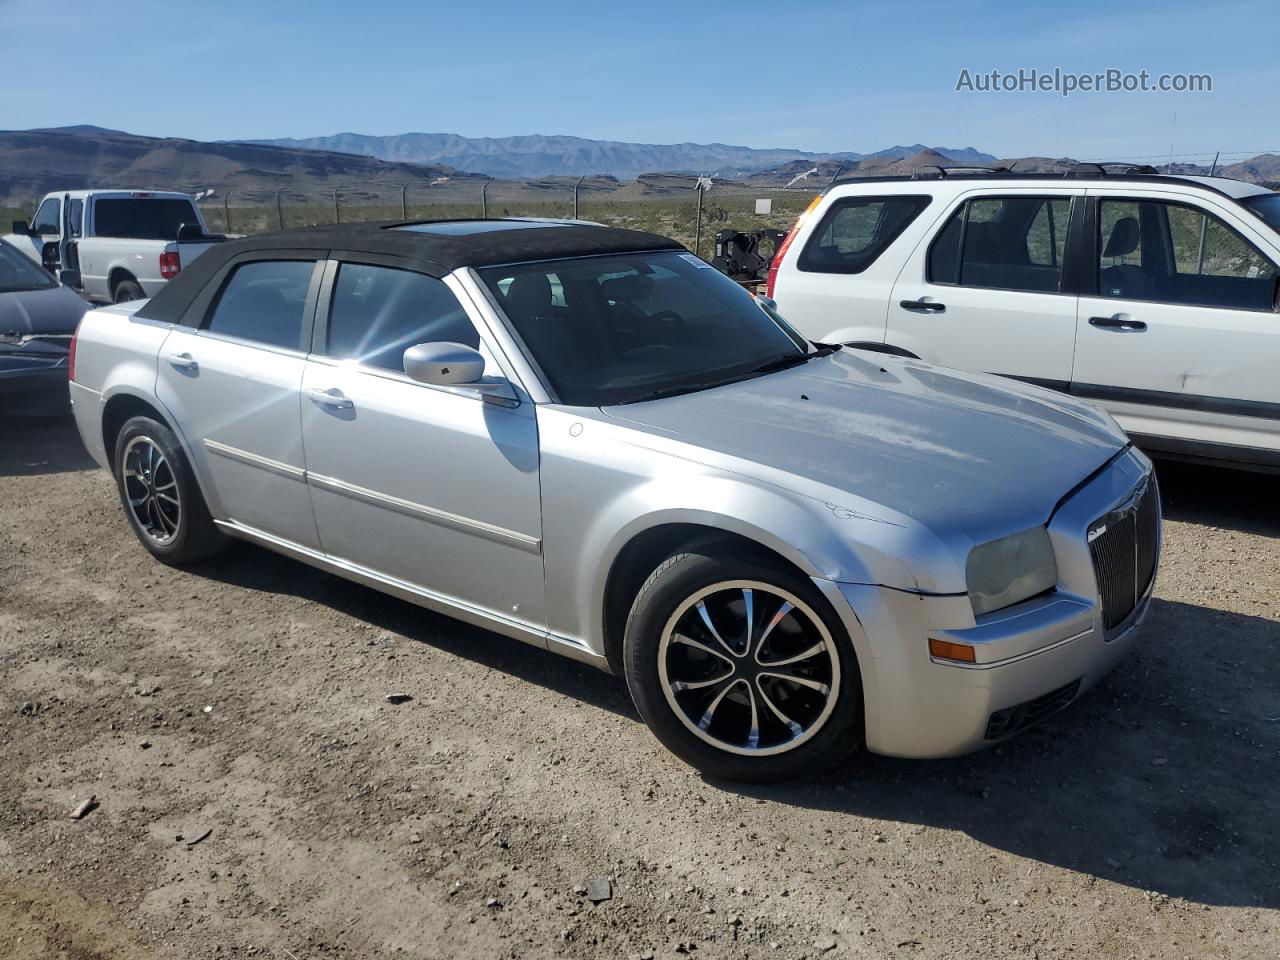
{"type": "Point", "coordinates": [151, 490]}
{"type": "Point", "coordinates": [160, 496]}
{"type": "Point", "coordinates": [741, 669]}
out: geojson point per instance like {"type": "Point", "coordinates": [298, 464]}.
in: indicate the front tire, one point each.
{"type": "Point", "coordinates": [161, 498]}
{"type": "Point", "coordinates": [742, 669]}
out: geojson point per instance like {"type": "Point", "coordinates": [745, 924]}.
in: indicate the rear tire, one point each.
{"type": "Point", "coordinates": [160, 496]}
{"type": "Point", "coordinates": [127, 290]}
{"type": "Point", "coordinates": [742, 669]}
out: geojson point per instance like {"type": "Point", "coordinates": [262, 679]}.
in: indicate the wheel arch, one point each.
{"type": "Point", "coordinates": [117, 275]}
{"type": "Point", "coordinates": [635, 562]}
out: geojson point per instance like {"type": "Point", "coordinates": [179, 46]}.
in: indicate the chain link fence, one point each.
{"type": "Point", "coordinates": [690, 209]}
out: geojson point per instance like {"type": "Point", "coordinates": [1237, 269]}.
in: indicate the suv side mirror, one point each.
{"type": "Point", "coordinates": [21, 228]}
{"type": "Point", "coordinates": [444, 364]}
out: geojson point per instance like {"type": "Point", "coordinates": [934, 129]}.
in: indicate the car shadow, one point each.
{"type": "Point", "coordinates": [254, 568]}
{"type": "Point", "coordinates": [1161, 778]}
{"type": "Point", "coordinates": [1218, 497]}
{"type": "Point", "coordinates": [31, 446]}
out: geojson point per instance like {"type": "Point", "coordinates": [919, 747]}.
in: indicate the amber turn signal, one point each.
{"type": "Point", "coordinates": [946, 650]}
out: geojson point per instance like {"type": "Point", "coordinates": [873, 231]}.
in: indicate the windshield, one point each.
{"type": "Point", "coordinates": [142, 219]}
{"type": "Point", "coordinates": [621, 328]}
{"type": "Point", "coordinates": [19, 273]}
{"type": "Point", "coordinates": [1267, 206]}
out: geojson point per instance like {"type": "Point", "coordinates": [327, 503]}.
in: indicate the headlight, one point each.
{"type": "Point", "coordinates": [1009, 570]}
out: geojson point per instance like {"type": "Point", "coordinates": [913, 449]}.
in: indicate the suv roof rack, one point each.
{"type": "Point", "coordinates": [935, 172]}
{"type": "Point", "coordinates": [1105, 170]}
{"type": "Point", "coordinates": [1080, 171]}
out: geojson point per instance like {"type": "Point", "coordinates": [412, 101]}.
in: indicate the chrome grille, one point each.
{"type": "Point", "coordinates": [1123, 545]}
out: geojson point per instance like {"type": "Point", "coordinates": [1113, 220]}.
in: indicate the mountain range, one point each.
{"type": "Point", "coordinates": [546, 156]}
{"type": "Point", "coordinates": [33, 162]}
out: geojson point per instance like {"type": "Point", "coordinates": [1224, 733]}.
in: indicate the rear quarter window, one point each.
{"type": "Point", "coordinates": [855, 231]}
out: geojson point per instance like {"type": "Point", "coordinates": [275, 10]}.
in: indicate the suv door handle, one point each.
{"type": "Point", "coordinates": [923, 305]}
{"type": "Point", "coordinates": [333, 397]}
{"type": "Point", "coordinates": [1120, 322]}
{"type": "Point", "coordinates": [183, 361]}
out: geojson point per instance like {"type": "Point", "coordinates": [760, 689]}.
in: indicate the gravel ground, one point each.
{"type": "Point", "coordinates": [259, 796]}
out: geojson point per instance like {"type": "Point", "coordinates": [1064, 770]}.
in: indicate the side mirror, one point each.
{"type": "Point", "coordinates": [21, 228]}
{"type": "Point", "coordinates": [445, 364]}
{"type": "Point", "coordinates": [190, 233]}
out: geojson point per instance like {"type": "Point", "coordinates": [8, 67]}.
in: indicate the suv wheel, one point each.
{"type": "Point", "coordinates": [160, 496]}
{"type": "Point", "coordinates": [741, 669]}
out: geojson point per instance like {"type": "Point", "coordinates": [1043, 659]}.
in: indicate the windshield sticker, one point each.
{"type": "Point", "coordinates": [696, 261]}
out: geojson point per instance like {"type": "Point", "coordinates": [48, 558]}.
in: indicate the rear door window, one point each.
{"type": "Point", "coordinates": [856, 230]}
{"type": "Point", "coordinates": [264, 302]}
{"type": "Point", "coordinates": [377, 313]}
{"type": "Point", "coordinates": [1003, 243]}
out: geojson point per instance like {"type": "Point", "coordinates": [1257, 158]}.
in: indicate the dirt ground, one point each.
{"type": "Point", "coordinates": [258, 796]}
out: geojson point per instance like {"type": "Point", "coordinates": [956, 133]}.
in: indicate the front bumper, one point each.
{"type": "Point", "coordinates": [1032, 658]}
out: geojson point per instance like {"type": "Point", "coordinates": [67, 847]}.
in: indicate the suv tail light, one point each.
{"type": "Point", "coordinates": [170, 265]}
{"type": "Point", "coordinates": [781, 252]}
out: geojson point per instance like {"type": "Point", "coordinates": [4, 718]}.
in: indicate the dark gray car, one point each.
{"type": "Point", "coordinates": [37, 320]}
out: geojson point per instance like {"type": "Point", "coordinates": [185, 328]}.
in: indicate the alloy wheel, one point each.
{"type": "Point", "coordinates": [152, 490]}
{"type": "Point", "coordinates": [749, 668]}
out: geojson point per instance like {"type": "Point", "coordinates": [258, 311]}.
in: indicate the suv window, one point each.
{"type": "Point", "coordinates": [856, 230]}
{"type": "Point", "coordinates": [1003, 243]}
{"type": "Point", "coordinates": [379, 312]}
{"type": "Point", "coordinates": [264, 301]}
{"type": "Point", "coordinates": [46, 221]}
{"type": "Point", "coordinates": [1175, 253]}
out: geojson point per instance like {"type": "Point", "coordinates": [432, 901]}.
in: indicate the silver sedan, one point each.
{"type": "Point", "coordinates": [587, 439]}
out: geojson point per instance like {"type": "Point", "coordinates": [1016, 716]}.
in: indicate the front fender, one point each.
{"type": "Point", "coordinates": [594, 507]}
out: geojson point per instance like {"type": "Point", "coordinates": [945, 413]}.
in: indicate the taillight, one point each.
{"type": "Point", "coordinates": [71, 354]}
{"type": "Point", "coordinates": [170, 265]}
{"type": "Point", "coordinates": [781, 252]}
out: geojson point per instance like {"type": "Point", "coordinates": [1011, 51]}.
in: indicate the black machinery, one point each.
{"type": "Point", "coordinates": [745, 257]}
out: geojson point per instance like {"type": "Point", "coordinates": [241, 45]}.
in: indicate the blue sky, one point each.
{"type": "Point", "coordinates": [818, 75]}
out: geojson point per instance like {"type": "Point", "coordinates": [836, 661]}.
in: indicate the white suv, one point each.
{"type": "Point", "coordinates": [1156, 296]}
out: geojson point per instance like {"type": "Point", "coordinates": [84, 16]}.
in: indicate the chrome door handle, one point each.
{"type": "Point", "coordinates": [333, 397]}
{"type": "Point", "coordinates": [183, 361]}
{"type": "Point", "coordinates": [1120, 322]}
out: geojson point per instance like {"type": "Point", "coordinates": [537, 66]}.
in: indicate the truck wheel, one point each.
{"type": "Point", "coordinates": [127, 290]}
{"type": "Point", "coordinates": [161, 498]}
{"type": "Point", "coordinates": [742, 669]}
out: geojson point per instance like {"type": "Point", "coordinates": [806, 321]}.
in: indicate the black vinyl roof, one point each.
{"type": "Point", "coordinates": [456, 243]}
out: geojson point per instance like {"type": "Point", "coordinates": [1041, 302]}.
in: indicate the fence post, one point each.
{"type": "Point", "coordinates": [484, 200]}
{"type": "Point", "coordinates": [226, 209]}
{"type": "Point", "coordinates": [337, 214]}
{"type": "Point", "coordinates": [576, 186]}
{"type": "Point", "coordinates": [404, 202]}
{"type": "Point", "coordinates": [697, 242]}
{"type": "Point", "coordinates": [279, 211]}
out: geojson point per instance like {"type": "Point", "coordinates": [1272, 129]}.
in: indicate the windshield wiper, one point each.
{"type": "Point", "coordinates": [795, 359]}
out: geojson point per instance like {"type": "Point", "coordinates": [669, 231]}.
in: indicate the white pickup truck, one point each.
{"type": "Point", "coordinates": [114, 245]}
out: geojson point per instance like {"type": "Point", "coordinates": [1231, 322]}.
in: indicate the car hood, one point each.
{"type": "Point", "coordinates": [54, 311]}
{"type": "Point", "coordinates": [960, 453]}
